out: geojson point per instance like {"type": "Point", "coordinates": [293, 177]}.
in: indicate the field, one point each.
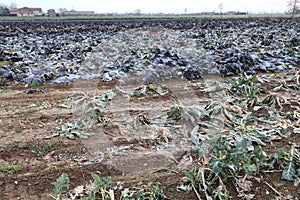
{"type": "Point", "coordinates": [181, 108]}
{"type": "Point", "coordinates": [122, 17]}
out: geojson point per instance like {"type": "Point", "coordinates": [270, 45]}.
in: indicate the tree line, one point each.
{"type": "Point", "coordinates": [5, 10]}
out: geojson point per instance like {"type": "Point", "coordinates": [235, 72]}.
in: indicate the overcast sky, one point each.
{"type": "Point", "coordinates": [155, 6]}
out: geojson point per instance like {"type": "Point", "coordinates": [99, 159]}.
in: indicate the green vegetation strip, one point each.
{"type": "Point", "coordinates": [9, 170]}
{"type": "Point", "coordinates": [99, 189]}
{"type": "Point", "coordinates": [124, 17]}
{"type": "Point", "coordinates": [3, 63]}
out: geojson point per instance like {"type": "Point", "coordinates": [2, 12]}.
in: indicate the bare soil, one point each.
{"type": "Point", "coordinates": [26, 138]}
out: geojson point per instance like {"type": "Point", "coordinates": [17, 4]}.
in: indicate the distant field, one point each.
{"type": "Point", "coordinates": [143, 17]}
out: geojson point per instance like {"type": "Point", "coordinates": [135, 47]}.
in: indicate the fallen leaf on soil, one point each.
{"type": "Point", "coordinates": [49, 155]}
{"type": "Point", "coordinates": [244, 185]}
{"type": "Point", "coordinates": [90, 187]}
{"type": "Point", "coordinates": [275, 137]}
{"type": "Point", "coordinates": [205, 160]}
{"type": "Point", "coordinates": [77, 192]}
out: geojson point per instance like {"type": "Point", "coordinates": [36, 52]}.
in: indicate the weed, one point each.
{"type": "Point", "coordinates": [101, 188]}
{"type": "Point", "coordinates": [34, 84]}
{"type": "Point", "coordinates": [50, 167]}
{"type": "Point", "coordinates": [60, 183]}
{"type": "Point", "coordinates": [232, 160]}
{"type": "Point", "coordinates": [45, 105]}
{"type": "Point", "coordinates": [41, 148]}
{"type": "Point", "coordinates": [19, 129]}
{"type": "Point", "coordinates": [98, 189]}
{"type": "Point", "coordinates": [8, 109]}
{"type": "Point", "coordinates": [272, 100]}
{"type": "Point", "coordinates": [289, 161]}
{"type": "Point", "coordinates": [126, 194]}
{"type": "Point", "coordinates": [64, 103]}
{"type": "Point", "coordinates": [204, 180]}
{"type": "Point", "coordinates": [151, 192]}
{"type": "Point", "coordinates": [29, 111]}
{"type": "Point", "coordinates": [244, 85]}
{"type": "Point", "coordinates": [9, 170]}
{"type": "Point", "coordinates": [3, 82]}
{"type": "Point", "coordinates": [3, 63]}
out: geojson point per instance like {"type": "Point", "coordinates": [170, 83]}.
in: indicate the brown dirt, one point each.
{"type": "Point", "coordinates": [25, 131]}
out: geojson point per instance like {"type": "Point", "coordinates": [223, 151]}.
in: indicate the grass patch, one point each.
{"type": "Point", "coordinates": [28, 112]}
{"type": "Point", "coordinates": [3, 82]}
{"type": "Point", "coordinates": [9, 170]}
{"type": "Point", "coordinates": [50, 167]}
{"type": "Point", "coordinates": [2, 63]}
{"type": "Point", "coordinates": [41, 148]}
{"type": "Point", "coordinates": [19, 129]}
{"type": "Point", "coordinates": [124, 17]}
{"type": "Point", "coordinates": [34, 84]}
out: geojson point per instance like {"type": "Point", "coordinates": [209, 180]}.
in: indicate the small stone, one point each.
{"type": "Point", "coordinates": [278, 184]}
{"type": "Point", "coordinates": [296, 130]}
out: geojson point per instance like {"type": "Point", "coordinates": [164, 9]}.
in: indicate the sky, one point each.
{"type": "Point", "coordinates": [155, 6]}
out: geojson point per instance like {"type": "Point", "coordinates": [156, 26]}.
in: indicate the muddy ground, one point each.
{"type": "Point", "coordinates": [26, 138]}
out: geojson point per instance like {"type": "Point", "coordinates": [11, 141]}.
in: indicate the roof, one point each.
{"type": "Point", "coordinates": [37, 9]}
{"type": "Point", "coordinates": [30, 9]}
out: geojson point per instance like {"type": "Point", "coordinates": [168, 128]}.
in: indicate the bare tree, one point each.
{"type": "Point", "coordinates": [220, 8]}
{"type": "Point", "coordinates": [293, 7]}
{"type": "Point", "coordinates": [61, 11]}
{"type": "Point", "coordinates": [4, 11]}
{"type": "Point", "coordinates": [137, 12]}
{"type": "Point", "coordinates": [12, 6]}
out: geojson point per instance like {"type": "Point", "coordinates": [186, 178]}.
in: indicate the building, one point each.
{"type": "Point", "coordinates": [51, 13]}
{"type": "Point", "coordinates": [231, 13]}
{"type": "Point", "coordinates": [78, 13]}
{"type": "Point", "coordinates": [13, 12]}
{"type": "Point", "coordinates": [242, 13]}
{"type": "Point", "coordinates": [235, 13]}
{"type": "Point", "coordinates": [29, 12]}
